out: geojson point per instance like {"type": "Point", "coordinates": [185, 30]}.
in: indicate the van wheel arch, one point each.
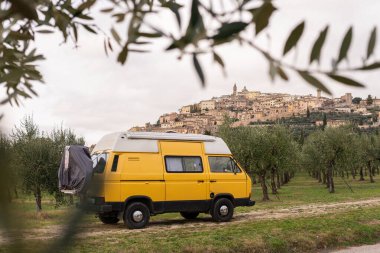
{"type": "Point", "coordinates": [143, 199]}
{"type": "Point", "coordinates": [223, 195]}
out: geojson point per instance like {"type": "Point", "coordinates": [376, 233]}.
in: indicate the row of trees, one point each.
{"type": "Point", "coordinates": [273, 154]}
{"type": "Point", "coordinates": [33, 158]}
{"type": "Point", "coordinates": [267, 153]}
{"type": "Point", "coordinates": [341, 152]}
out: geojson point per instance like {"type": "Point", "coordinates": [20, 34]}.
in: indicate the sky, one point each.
{"type": "Point", "coordinates": [94, 95]}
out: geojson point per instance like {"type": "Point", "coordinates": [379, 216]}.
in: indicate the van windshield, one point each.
{"type": "Point", "coordinates": [99, 162]}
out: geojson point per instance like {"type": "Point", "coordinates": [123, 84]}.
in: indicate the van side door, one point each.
{"type": "Point", "coordinates": [184, 173]}
{"type": "Point", "coordinates": [226, 177]}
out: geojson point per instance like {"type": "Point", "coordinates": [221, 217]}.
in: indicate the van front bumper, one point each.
{"type": "Point", "coordinates": [98, 205]}
{"type": "Point", "coordinates": [244, 202]}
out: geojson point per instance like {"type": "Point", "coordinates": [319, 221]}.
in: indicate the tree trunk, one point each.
{"type": "Point", "coordinates": [353, 173]}
{"type": "Point", "coordinates": [319, 177]}
{"type": "Point", "coordinates": [16, 193]}
{"type": "Point", "coordinates": [264, 187]}
{"type": "Point", "coordinates": [361, 174]}
{"type": "Point", "coordinates": [323, 177]}
{"type": "Point", "coordinates": [278, 180]}
{"type": "Point", "coordinates": [327, 179]}
{"type": "Point", "coordinates": [286, 177]}
{"type": "Point", "coordinates": [331, 180]}
{"type": "Point", "coordinates": [282, 178]}
{"type": "Point", "coordinates": [272, 181]}
{"type": "Point", "coordinates": [37, 196]}
{"type": "Point", "coordinates": [369, 166]}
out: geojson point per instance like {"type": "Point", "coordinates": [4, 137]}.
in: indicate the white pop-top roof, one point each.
{"type": "Point", "coordinates": [148, 142]}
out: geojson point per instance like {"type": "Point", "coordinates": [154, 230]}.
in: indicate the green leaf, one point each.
{"type": "Point", "coordinates": [119, 17]}
{"type": "Point", "coordinates": [371, 43]}
{"type": "Point", "coordinates": [25, 8]}
{"type": "Point", "coordinates": [85, 17]}
{"type": "Point", "coordinates": [105, 47]}
{"type": "Point", "coordinates": [174, 7]}
{"type": "Point", "coordinates": [372, 66]}
{"type": "Point", "coordinates": [122, 57]}
{"type": "Point", "coordinates": [198, 69]}
{"type": "Point", "coordinates": [138, 50]}
{"type": "Point", "coordinates": [218, 59]}
{"type": "Point", "coordinates": [149, 35]}
{"type": "Point", "coordinates": [282, 73]}
{"type": "Point", "coordinates": [85, 5]}
{"type": "Point", "coordinates": [116, 36]}
{"type": "Point", "coordinates": [106, 10]}
{"type": "Point", "coordinates": [318, 44]}
{"type": "Point", "coordinates": [272, 71]}
{"type": "Point", "coordinates": [12, 35]}
{"type": "Point", "coordinates": [345, 80]}
{"type": "Point", "coordinates": [229, 29]}
{"type": "Point", "coordinates": [195, 30]}
{"type": "Point", "coordinates": [262, 15]}
{"type": "Point", "coordinates": [44, 31]}
{"type": "Point", "coordinates": [294, 37]}
{"type": "Point", "coordinates": [88, 28]}
{"type": "Point", "coordinates": [313, 81]}
{"type": "Point", "coordinates": [345, 46]}
{"type": "Point", "coordinates": [75, 30]}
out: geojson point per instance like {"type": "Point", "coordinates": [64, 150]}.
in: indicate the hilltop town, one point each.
{"type": "Point", "coordinates": [254, 108]}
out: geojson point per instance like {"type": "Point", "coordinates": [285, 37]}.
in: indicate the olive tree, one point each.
{"type": "Point", "coordinates": [37, 157]}
{"type": "Point", "coordinates": [264, 152]}
{"type": "Point", "coordinates": [7, 177]}
{"type": "Point", "coordinates": [284, 156]}
{"type": "Point", "coordinates": [370, 149]}
{"type": "Point", "coordinates": [325, 152]}
{"type": "Point", "coordinates": [60, 138]}
{"type": "Point", "coordinates": [211, 25]}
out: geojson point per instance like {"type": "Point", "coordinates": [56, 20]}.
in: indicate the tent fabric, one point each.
{"type": "Point", "coordinates": [75, 171]}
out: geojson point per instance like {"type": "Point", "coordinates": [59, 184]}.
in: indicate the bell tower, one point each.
{"type": "Point", "coordinates": [319, 93]}
{"type": "Point", "coordinates": [234, 93]}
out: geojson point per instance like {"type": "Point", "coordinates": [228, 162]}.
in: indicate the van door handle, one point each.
{"type": "Point", "coordinates": [201, 181]}
{"type": "Point", "coordinates": [212, 181]}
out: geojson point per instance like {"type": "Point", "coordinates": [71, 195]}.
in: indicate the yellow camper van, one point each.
{"type": "Point", "coordinates": [139, 174]}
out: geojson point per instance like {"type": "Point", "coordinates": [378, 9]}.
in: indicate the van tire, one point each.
{"type": "Point", "coordinates": [136, 215]}
{"type": "Point", "coordinates": [222, 210]}
{"type": "Point", "coordinates": [189, 215]}
{"type": "Point", "coordinates": [108, 219]}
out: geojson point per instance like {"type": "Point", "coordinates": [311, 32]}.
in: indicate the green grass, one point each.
{"type": "Point", "coordinates": [290, 235]}
{"type": "Point", "coordinates": [296, 235]}
{"type": "Point", "coordinates": [305, 190]}
{"type": "Point", "coordinates": [284, 235]}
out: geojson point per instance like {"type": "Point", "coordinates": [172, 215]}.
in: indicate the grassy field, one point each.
{"type": "Point", "coordinates": [293, 234]}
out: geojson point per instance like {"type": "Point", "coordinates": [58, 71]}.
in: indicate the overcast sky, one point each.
{"type": "Point", "coordinates": [92, 94]}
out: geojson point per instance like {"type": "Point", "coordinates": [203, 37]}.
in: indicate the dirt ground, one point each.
{"type": "Point", "coordinates": [97, 228]}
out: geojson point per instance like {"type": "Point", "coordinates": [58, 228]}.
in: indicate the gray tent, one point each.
{"type": "Point", "coordinates": [75, 171]}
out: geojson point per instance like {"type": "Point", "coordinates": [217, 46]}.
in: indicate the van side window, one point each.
{"type": "Point", "coordinates": [99, 162]}
{"type": "Point", "coordinates": [114, 163]}
{"type": "Point", "coordinates": [183, 164]}
{"type": "Point", "coordinates": [223, 164]}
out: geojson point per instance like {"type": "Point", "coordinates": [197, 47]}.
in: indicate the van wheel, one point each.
{"type": "Point", "coordinates": [136, 215]}
{"type": "Point", "coordinates": [189, 215]}
{"type": "Point", "coordinates": [108, 219]}
{"type": "Point", "coordinates": [223, 210]}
